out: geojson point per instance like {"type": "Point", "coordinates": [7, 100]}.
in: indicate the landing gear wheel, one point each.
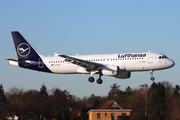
{"type": "Point", "coordinates": [99, 81]}
{"type": "Point", "coordinates": [151, 73]}
{"type": "Point", "coordinates": [152, 78]}
{"type": "Point", "coordinates": [91, 79]}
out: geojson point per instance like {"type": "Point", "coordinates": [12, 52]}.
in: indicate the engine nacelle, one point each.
{"type": "Point", "coordinates": [110, 70]}
{"type": "Point", "coordinates": [123, 74]}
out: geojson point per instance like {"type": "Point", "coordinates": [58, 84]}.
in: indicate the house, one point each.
{"type": "Point", "coordinates": [109, 111]}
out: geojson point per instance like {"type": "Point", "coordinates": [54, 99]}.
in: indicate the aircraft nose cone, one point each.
{"type": "Point", "coordinates": [171, 63]}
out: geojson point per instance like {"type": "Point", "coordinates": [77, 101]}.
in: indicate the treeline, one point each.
{"type": "Point", "coordinates": [160, 101]}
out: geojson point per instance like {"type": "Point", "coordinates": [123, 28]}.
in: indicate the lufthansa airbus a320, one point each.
{"type": "Point", "coordinates": [118, 65]}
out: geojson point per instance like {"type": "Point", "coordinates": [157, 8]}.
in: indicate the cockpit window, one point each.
{"type": "Point", "coordinates": [163, 57]}
{"type": "Point", "coordinates": [166, 57]}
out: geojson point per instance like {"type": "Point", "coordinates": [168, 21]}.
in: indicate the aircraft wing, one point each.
{"type": "Point", "coordinates": [90, 66]}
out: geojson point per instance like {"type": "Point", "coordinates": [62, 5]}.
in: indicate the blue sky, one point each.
{"type": "Point", "coordinates": [89, 27]}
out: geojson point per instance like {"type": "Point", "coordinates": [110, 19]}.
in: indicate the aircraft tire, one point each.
{"type": "Point", "coordinates": [152, 78]}
{"type": "Point", "coordinates": [99, 81]}
{"type": "Point", "coordinates": [91, 79]}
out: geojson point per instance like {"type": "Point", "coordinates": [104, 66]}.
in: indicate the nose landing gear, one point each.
{"type": "Point", "coordinates": [151, 73]}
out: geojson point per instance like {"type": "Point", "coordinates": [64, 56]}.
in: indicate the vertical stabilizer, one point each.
{"type": "Point", "coordinates": [28, 57]}
{"type": "Point", "coordinates": [23, 49]}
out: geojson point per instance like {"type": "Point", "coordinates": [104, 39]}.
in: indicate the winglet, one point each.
{"type": "Point", "coordinates": [56, 55]}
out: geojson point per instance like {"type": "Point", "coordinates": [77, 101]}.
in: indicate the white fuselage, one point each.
{"type": "Point", "coordinates": [126, 61]}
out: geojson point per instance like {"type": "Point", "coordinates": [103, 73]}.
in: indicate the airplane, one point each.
{"type": "Point", "coordinates": [119, 65]}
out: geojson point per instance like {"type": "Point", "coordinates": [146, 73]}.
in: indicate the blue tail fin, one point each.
{"type": "Point", "coordinates": [23, 48]}
{"type": "Point", "coordinates": [27, 55]}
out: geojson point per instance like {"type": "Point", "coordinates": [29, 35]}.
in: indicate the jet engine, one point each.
{"type": "Point", "coordinates": [110, 70]}
{"type": "Point", "coordinates": [123, 74]}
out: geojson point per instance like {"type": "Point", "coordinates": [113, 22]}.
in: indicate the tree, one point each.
{"type": "Point", "coordinates": [15, 101]}
{"type": "Point", "coordinates": [2, 96]}
{"type": "Point", "coordinates": [43, 91]}
{"type": "Point", "coordinates": [113, 91]}
{"type": "Point", "coordinates": [2, 103]}
{"type": "Point", "coordinates": [59, 106]}
{"type": "Point", "coordinates": [128, 90]}
{"type": "Point", "coordinates": [96, 103]}
{"type": "Point", "coordinates": [176, 90]}
{"type": "Point", "coordinates": [137, 104]}
{"type": "Point", "coordinates": [138, 101]}
{"type": "Point", "coordinates": [175, 103]}
{"type": "Point", "coordinates": [157, 102]}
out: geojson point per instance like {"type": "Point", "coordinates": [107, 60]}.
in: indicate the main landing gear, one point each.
{"type": "Point", "coordinates": [91, 79]}
{"type": "Point", "coordinates": [151, 73]}
{"type": "Point", "coordinates": [99, 80]}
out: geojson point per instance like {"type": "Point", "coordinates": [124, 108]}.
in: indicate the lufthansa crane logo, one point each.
{"type": "Point", "coordinates": [23, 49]}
